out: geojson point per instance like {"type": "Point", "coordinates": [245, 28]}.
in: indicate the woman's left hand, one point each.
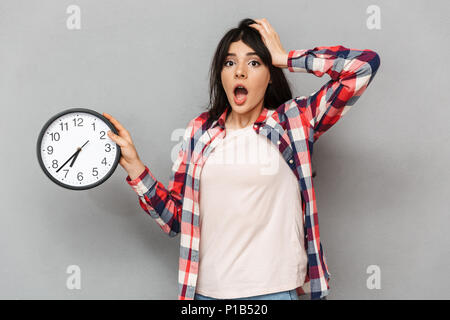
{"type": "Point", "coordinates": [272, 42]}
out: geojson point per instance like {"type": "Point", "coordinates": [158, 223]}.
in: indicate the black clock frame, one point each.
{"type": "Point", "coordinates": [44, 129]}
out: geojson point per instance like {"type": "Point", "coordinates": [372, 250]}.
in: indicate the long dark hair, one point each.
{"type": "Point", "coordinates": [277, 92]}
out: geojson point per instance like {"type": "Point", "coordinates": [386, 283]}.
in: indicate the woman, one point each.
{"type": "Point", "coordinates": [259, 228]}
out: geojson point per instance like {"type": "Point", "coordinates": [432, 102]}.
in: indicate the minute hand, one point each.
{"type": "Point", "coordinates": [75, 153]}
{"type": "Point", "coordinates": [78, 152]}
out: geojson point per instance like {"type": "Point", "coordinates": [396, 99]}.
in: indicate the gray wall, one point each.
{"type": "Point", "coordinates": [382, 180]}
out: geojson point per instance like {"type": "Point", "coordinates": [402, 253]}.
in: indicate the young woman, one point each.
{"type": "Point", "coordinates": [258, 226]}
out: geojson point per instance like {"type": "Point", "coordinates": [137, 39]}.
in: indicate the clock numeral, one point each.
{"type": "Point", "coordinates": [55, 136]}
{"type": "Point", "coordinates": [80, 122]}
{"type": "Point", "coordinates": [94, 170]}
{"type": "Point", "coordinates": [93, 124]}
{"type": "Point", "coordinates": [108, 147]}
{"type": "Point", "coordinates": [55, 164]}
{"type": "Point", "coordinates": [104, 161]}
{"type": "Point", "coordinates": [102, 135]}
{"type": "Point", "coordinates": [67, 171]}
{"type": "Point", "coordinates": [80, 176]}
{"type": "Point", "coordinates": [64, 124]}
{"type": "Point", "coordinates": [49, 150]}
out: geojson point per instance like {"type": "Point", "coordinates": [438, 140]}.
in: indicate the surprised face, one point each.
{"type": "Point", "coordinates": [244, 77]}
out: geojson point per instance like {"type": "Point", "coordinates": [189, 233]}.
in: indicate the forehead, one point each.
{"type": "Point", "coordinates": [239, 48]}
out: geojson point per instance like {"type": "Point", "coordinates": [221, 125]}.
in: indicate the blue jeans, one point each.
{"type": "Point", "coordinates": [283, 295]}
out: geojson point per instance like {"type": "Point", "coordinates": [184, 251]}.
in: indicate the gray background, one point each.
{"type": "Point", "coordinates": [382, 180]}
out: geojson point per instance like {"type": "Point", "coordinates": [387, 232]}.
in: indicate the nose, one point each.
{"type": "Point", "coordinates": [240, 73]}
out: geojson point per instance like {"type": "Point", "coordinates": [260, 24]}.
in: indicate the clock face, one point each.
{"type": "Point", "coordinates": [74, 150]}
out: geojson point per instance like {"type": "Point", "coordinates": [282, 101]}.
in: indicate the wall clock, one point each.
{"type": "Point", "coordinates": [74, 150]}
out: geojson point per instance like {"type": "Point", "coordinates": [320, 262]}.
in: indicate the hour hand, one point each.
{"type": "Point", "coordinates": [77, 153]}
{"type": "Point", "coordinates": [75, 158]}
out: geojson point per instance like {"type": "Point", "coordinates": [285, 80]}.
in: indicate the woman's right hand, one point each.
{"type": "Point", "coordinates": [129, 159]}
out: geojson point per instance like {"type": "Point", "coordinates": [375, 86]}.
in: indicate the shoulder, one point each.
{"type": "Point", "coordinates": [199, 122]}
{"type": "Point", "coordinates": [201, 118]}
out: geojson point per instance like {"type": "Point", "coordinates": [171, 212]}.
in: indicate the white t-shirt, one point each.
{"type": "Point", "coordinates": [251, 224]}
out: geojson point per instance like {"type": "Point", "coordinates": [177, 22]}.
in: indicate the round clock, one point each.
{"type": "Point", "coordinates": [74, 150]}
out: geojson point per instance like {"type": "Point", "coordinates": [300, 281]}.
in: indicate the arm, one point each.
{"type": "Point", "coordinates": [351, 71]}
{"type": "Point", "coordinates": [164, 205]}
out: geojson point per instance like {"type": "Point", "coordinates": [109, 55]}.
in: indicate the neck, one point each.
{"type": "Point", "coordinates": [237, 120]}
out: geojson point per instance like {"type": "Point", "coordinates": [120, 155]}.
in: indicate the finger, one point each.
{"type": "Point", "coordinates": [264, 23]}
{"type": "Point", "coordinates": [257, 22]}
{"type": "Point", "coordinates": [122, 131]}
{"type": "Point", "coordinates": [260, 28]}
{"type": "Point", "coordinates": [267, 23]}
{"type": "Point", "coordinates": [117, 139]}
{"type": "Point", "coordinates": [113, 121]}
{"type": "Point", "coordinates": [254, 25]}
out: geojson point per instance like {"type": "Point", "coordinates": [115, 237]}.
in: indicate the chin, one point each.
{"type": "Point", "coordinates": [241, 109]}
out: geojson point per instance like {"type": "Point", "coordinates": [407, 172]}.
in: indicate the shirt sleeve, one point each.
{"type": "Point", "coordinates": [351, 71]}
{"type": "Point", "coordinates": [161, 203]}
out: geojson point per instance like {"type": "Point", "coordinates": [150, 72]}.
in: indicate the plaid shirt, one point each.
{"type": "Point", "coordinates": [293, 127]}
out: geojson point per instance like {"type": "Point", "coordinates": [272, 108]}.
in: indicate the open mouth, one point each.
{"type": "Point", "coordinates": [240, 95]}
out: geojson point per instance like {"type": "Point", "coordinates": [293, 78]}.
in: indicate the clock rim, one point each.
{"type": "Point", "coordinates": [41, 135]}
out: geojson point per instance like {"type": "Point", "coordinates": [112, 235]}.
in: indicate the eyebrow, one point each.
{"type": "Point", "coordinates": [248, 54]}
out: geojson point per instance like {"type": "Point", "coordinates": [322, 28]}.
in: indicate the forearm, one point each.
{"type": "Point", "coordinates": [164, 205]}
{"type": "Point", "coordinates": [351, 72]}
{"type": "Point", "coordinates": [337, 61]}
{"type": "Point", "coordinates": [135, 170]}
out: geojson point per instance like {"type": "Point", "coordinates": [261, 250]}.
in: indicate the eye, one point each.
{"type": "Point", "coordinates": [253, 61]}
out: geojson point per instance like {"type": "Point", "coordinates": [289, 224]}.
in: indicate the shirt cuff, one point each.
{"type": "Point", "coordinates": [297, 60]}
{"type": "Point", "coordinates": [143, 183]}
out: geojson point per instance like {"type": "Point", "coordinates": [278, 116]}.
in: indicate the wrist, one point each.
{"type": "Point", "coordinates": [135, 170]}
{"type": "Point", "coordinates": [283, 60]}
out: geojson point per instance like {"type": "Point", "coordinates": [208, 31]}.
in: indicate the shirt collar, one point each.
{"type": "Point", "coordinates": [221, 120]}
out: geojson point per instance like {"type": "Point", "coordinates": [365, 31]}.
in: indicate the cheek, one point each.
{"type": "Point", "coordinates": [224, 78]}
{"type": "Point", "coordinates": [260, 88]}
{"type": "Point", "coordinates": [260, 82]}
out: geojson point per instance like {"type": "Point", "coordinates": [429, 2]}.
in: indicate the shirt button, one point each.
{"type": "Point", "coordinates": [290, 161]}
{"type": "Point", "coordinates": [278, 141]}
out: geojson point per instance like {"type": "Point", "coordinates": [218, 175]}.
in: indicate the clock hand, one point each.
{"type": "Point", "coordinates": [75, 158]}
{"type": "Point", "coordinates": [75, 154]}
{"type": "Point", "coordinates": [78, 152]}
